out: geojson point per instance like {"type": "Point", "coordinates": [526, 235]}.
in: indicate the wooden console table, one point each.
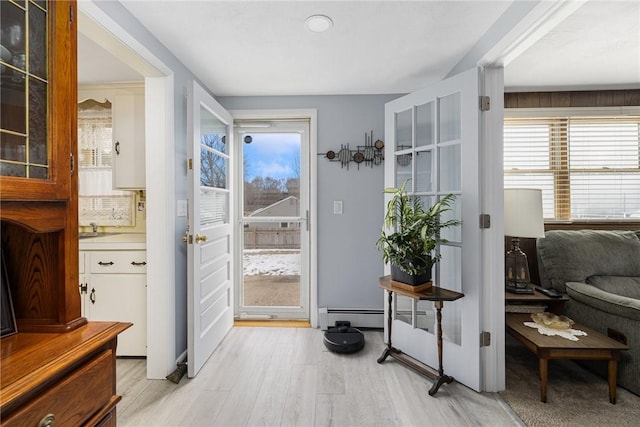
{"type": "Point", "coordinates": [438, 296]}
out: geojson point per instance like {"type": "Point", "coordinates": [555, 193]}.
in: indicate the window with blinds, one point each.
{"type": "Point", "coordinates": [98, 203]}
{"type": "Point", "coordinates": [588, 168]}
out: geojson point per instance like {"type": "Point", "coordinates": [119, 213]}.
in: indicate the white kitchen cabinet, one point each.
{"type": "Point", "coordinates": [128, 141]}
{"type": "Point", "coordinates": [114, 288]}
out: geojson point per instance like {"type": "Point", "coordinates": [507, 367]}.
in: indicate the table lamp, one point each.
{"type": "Point", "coordinates": [522, 218]}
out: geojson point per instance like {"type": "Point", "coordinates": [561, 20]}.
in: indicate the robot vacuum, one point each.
{"type": "Point", "coordinates": [343, 338]}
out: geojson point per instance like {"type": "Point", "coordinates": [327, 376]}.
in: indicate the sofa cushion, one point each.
{"type": "Point", "coordinates": [572, 256]}
{"type": "Point", "coordinates": [604, 301]}
{"type": "Point", "coordinates": [619, 285]}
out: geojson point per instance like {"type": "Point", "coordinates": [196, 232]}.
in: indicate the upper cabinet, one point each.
{"type": "Point", "coordinates": [38, 78]}
{"type": "Point", "coordinates": [128, 146]}
{"type": "Point", "coordinates": [125, 124]}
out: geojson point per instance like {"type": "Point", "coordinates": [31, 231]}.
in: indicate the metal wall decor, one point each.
{"type": "Point", "coordinates": [371, 153]}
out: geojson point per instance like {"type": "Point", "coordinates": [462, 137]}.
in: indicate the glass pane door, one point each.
{"type": "Point", "coordinates": [274, 283]}
{"type": "Point", "coordinates": [432, 137]}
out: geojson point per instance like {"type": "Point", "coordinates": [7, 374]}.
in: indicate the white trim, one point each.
{"type": "Point", "coordinates": [312, 115]}
{"type": "Point", "coordinates": [521, 25]}
{"type": "Point", "coordinates": [104, 26]}
{"type": "Point", "coordinates": [491, 187]}
{"type": "Point", "coordinates": [160, 187]}
{"type": "Point", "coordinates": [161, 257]}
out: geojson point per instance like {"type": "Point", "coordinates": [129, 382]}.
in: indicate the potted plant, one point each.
{"type": "Point", "coordinates": [411, 234]}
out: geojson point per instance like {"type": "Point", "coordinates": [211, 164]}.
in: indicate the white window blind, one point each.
{"type": "Point", "coordinates": [587, 167]}
{"type": "Point", "coordinates": [98, 203]}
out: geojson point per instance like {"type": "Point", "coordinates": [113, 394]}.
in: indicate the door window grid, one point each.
{"type": "Point", "coordinates": [431, 136]}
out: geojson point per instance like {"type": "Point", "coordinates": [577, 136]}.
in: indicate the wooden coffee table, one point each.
{"type": "Point", "coordinates": [594, 346]}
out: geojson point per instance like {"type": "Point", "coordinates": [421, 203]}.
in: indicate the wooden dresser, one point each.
{"type": "Point", "coordinates": [56, 369]}
{"type": "Point", "coordinates": [68, 378]}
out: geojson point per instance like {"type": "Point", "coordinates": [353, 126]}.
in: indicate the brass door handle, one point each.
{"type": "Point", "coordinates": [201, 238]}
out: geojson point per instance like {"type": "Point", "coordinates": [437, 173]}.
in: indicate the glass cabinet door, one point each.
{"type": "Point", "coordinates": [35, 135]}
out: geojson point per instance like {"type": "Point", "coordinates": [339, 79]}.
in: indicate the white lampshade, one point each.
{"type": "Point", "coordinates": [523, 212]}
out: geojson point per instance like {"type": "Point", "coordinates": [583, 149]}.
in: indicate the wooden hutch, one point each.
{"type": "Point", "coordinates": [57, 369]}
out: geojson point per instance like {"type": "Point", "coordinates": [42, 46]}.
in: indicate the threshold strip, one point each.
{"type": "Point", "coordinates": [272, 323]}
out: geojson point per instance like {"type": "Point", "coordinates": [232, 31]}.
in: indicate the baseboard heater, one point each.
{"type": "Point", "coordinates": [359, 318]}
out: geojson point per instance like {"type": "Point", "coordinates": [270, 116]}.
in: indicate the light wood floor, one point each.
{"type": "Point", "coordinates": [286, 377]}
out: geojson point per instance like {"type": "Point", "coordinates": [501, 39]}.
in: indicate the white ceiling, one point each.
{"type": "Point", "coordinates": [374, 47]}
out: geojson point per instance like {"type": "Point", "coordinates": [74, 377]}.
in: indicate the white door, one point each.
{"type": "Point", "coordinates": [432, 139]}
{"type": "Point", "coordinates": [209, 234]}
{"type": "Point", "coordinates": [273, 280]}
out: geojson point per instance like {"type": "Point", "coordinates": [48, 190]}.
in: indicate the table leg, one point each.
{"type": "Point", "coordinates": [387, 350]}
{"type": "Point", "coordinates": [441, 378]}
{"type": "Point", "coordinates": [613, 372]}
{"type": "Point", "coordinates": [438, 305]}
{"type": "Point", "coordinates": [544, 371]}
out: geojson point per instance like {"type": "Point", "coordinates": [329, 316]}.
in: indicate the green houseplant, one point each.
{"type": "Point", "coordinates": [411, 234]}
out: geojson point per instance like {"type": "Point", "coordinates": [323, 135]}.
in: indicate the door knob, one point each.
{"type": "Point", "coordinates": [201, 238]}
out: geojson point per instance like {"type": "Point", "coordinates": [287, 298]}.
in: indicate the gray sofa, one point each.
{"type": "Point", "coordinates": [600, 273]}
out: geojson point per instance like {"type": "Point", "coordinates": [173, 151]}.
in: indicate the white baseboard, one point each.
{"type": "Point", "coordinates": [359, 318]}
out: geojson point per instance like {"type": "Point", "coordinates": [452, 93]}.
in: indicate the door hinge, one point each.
{"type": "Point", "coordinates": [83, 288]}
{"type": "Point", "coordinates": [485, 339]}
{"type": "Point", "coordinates": [485, 103]}
{"type": "Point", "coordinates": [190, 165]}
{"type": "Point", "coordinates": [485, 221]}
{"type": "Point", "coordinates": [72, 163]}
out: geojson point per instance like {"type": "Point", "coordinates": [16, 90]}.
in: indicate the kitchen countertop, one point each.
{"type": "Point", "coordinates": [117, 241]}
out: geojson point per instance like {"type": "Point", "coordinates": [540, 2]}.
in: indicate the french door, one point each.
{"type": "Point", "coordinates": [273, 246]}
{"type": "Point", "coordinates": [432, 142]}
{"type": "Point", "coordinates": [209, 234]}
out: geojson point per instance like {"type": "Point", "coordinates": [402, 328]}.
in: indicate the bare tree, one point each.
{"type": "Point", "coordinates": [213, 167]}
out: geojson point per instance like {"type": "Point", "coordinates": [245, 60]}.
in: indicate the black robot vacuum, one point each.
{"type": "Point", "coordinates": [343, 338]}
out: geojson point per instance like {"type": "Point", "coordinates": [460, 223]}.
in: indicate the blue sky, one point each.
{"type": "Point", "coordinates": [274, 155]}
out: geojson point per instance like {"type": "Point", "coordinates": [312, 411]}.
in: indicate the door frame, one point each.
{"type": "Point", "coordinates": [160, 183]}
{"type": "Point", "coordinates": [312, 116]}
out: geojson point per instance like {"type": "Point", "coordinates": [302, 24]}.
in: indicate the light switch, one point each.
{"type": "Point", "coordinates": [337, 207]}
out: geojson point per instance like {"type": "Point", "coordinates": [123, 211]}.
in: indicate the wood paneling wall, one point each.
{"type": "Point", "coordinates": [569, 99]}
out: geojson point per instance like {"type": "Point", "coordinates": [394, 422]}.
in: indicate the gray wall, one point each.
{"type": "Point", "coordinates": [348, 262]}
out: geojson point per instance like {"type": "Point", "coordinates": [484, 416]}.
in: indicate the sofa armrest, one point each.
{"type": "Point", "coordinates": [605, 301]}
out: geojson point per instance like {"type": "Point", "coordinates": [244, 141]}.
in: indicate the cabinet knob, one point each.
{"type": "Point", "coordinates": [92, 296]}
{"type": "Point", "coordinates": [105, 263]}
{"type": "Point", "coordinates": [47, 421]}
{"type": "Point", "coordinates": [138, 263]}
{"type": "Point", "coordinates": [117, 147]}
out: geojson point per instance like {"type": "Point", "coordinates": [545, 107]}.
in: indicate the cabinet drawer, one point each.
{"type": "Point", "coordinates": [70, 407]}
{"type": "Point", "coordinates": [118, 262]}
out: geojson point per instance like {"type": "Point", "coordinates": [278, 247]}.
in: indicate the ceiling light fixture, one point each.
{"type": "Point", "coordinates": [318, 23]}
